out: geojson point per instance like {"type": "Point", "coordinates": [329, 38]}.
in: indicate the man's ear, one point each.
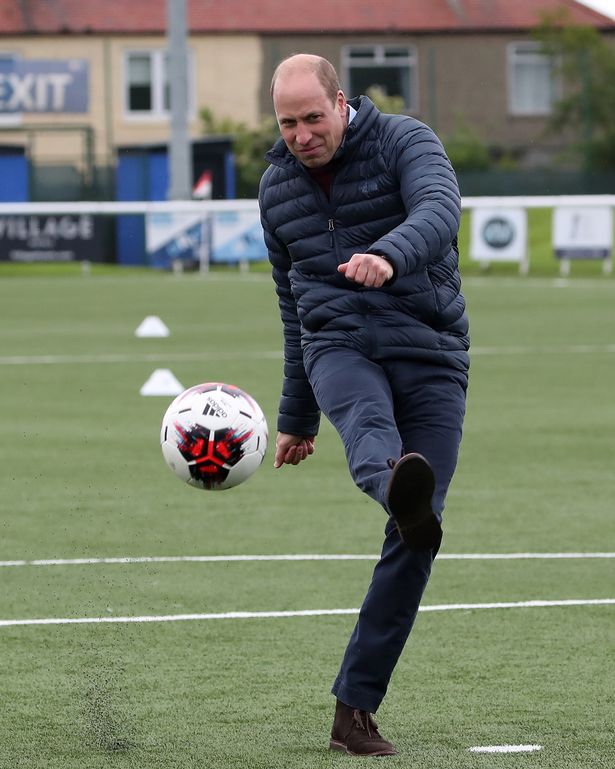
{"type": "Point", "coordinates": [341, 102]}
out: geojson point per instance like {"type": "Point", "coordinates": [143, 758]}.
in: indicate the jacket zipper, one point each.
{"type": "Point", "coordinates": [327, 202]}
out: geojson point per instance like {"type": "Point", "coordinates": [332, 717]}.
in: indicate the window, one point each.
{"type": "Point", "coordinates": [392, 68]}
{"type": "Point", "coordinates": [140, 84]}
{"type": "Point", "coordinates": [147, 91]}
{"type": "Point", "coordinates": [533, 85]}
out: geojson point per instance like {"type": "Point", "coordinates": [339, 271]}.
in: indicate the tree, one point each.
{"type": "Point", "coordinates": [249, 147]}
{"type": "Point", "coordinates": [391, 105]}
{"type": "Point", "coordinates": [465, 149]}
{"type": "Point", "coordinates": [586, 64]}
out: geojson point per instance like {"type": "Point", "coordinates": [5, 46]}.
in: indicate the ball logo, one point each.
{"type": "Point", "coordinates": [213, 408]}
{"type": "Point", "coordinates": [498, 232]}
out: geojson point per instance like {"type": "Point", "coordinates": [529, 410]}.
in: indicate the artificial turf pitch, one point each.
{"type": "Point", "coordinates": [83, 477]}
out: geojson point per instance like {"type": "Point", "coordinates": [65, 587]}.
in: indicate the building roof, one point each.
{"type": "Point", "coordinates": [19, 17]}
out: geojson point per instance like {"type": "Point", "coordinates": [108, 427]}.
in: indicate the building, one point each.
{"type": "Point", "coordinates": [80, 79]}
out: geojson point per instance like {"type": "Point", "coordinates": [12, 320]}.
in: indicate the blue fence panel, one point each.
{"type": "Point", "coordinates": [15, 186]}
{"type": "Point", "coordinates": [131, 184]}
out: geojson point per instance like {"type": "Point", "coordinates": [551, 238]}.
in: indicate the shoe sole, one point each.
{"type": "Point", "coordinates": [409, 494]}
{"type": "Point", "coordinates": [339, 747]}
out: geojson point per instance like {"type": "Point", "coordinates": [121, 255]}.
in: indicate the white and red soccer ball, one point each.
{"type": "Point", "coordinates": [214, 436]}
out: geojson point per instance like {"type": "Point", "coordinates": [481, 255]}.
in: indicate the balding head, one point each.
{"type": "Point", "coordinates": [310, 108]}
{"type": "Point", "coordinates": [302, 63]}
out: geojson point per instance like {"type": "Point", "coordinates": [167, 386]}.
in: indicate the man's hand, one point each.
{"type": "Point", "coordinates": [370, 270]}
{"type": "Point", "coordinates": [291, 449]}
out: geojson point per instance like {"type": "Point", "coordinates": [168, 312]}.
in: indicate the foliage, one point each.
{"type": "Point", "coordinates": [391, 105]}
{"type": "Point", "coordinates": [586, 65]}
{"type": "Point", "coordinates": [466, 150]}
{"type": "Point", "coordinates": [249, 147]}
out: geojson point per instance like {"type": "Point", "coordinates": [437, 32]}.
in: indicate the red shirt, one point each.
{"type": "Point", "coordinates": [323, 175]}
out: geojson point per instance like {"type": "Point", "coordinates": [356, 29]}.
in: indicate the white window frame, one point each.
{"type": "Point", "coordinates": [378, 51]}
{"type": "Point", "coordinates": [533, 55]}
{"type": "Point", "coordinates": [158, 111]}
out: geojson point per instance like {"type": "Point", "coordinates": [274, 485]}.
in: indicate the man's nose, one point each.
{"type": "Point", "coordinates": [303, 135]}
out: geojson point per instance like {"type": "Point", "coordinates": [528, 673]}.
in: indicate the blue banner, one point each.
{"type": "Point", "coordinates": [237, 237]}
{"type": "Point", "coordinates": [44, 86]}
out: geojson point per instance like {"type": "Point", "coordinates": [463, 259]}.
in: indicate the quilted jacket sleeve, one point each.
{"type": "Point", "coordinates": [430, 193]}
{"type": "Point", "coordinates": [298, 412]}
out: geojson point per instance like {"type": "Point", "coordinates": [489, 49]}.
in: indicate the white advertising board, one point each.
{"type": "Point", "coordinates": [499, 235]}
{"type": "Point", "coordinates": [237, 237]}
{"type": "Point", "coordinates": [583, 232]}
{"type": "Point", "coordinates": [173, 237]}
{"type": "Point", "coordinates": [234, 236]}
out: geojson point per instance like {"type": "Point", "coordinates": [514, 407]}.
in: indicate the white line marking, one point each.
{"type": "Point", "coordinates": [537, 282]}
{"type": "Point", "coordinates": [520, 604]}
{"type": "Point", "coordinates": [188, 559]}
{"type": "Point", "coordinates": [36, 360]}
{"type": "Point", "coordinates": [505, 749]}
{"type": "Point", "coordinates": [303, 613]}
{"type": "Point", "coordinates": [574, 349]}
{"type": "Point", "coordinates": [518, 556]}
{"type": "Point", "coordinates": [177, 617]}
{"type": "Point", "coordinates": [288, 557]}
{"type": "Point", "coordinates": [28, 360]}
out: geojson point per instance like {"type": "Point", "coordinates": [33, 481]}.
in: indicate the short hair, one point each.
{"type": "Point", "coordinates": [321, 67]}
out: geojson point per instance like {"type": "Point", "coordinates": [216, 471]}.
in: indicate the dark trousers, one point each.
{"type": "Point", "coordinates": [382, 410]}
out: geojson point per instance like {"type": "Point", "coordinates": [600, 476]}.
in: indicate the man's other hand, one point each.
{"type": "Point", "coordinates": [291, 449]}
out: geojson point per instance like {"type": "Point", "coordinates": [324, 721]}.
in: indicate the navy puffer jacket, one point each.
{"type": "Point", "coordinates": [394, 193]}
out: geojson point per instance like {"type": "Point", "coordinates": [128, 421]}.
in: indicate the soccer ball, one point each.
{"type": "Point", "coordinates": [214, 436]}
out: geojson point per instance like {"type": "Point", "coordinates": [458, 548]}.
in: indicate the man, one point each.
{"type": "Point", "coordinates": [360, 212]}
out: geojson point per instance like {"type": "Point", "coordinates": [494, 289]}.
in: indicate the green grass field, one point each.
{"type": "Point", "coordinates": [83, 478]}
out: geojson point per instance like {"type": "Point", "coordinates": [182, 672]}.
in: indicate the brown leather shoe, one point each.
{"type": "Point", "coordinates": [355, 732]}
{"type": "Point", "coordinates": [409, 494]}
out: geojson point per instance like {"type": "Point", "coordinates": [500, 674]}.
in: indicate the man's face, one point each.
{"type": "Point", "coordinates": [310, 123]}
